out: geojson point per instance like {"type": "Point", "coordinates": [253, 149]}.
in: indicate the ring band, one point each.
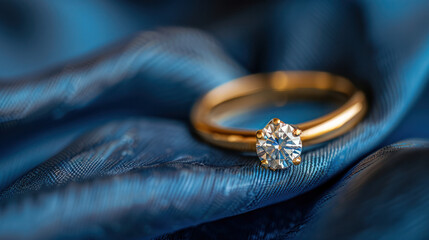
{"type": "Point", "coordinates": [260, 89]}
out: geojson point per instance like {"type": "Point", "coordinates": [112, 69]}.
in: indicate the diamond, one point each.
{"type": "Point", "coordinates": [278, 145]}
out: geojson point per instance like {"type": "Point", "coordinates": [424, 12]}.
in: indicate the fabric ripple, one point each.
{"type": "Point", "coordinates": [115, 167]}
{"type": "Point", "coordinates": [381, 199]}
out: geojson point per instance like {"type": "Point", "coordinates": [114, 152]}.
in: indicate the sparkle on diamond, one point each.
{"type": "Point", "coordinates": [278, 146]}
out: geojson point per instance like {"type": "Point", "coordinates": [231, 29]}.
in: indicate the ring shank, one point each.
{"type": "Point", "coordinates": [315, 131]}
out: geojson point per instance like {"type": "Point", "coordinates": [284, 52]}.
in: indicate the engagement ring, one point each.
{"type": "Point", "coordinates": [279, 144]}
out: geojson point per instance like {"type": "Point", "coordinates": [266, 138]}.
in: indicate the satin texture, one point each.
{"type": "Point", "coordinates": [95, 140]}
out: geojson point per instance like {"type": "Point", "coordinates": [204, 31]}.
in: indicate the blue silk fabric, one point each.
{"type": "Point", "coordinates": [95, 140]}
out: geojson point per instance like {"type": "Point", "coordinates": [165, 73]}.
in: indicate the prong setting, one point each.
{"type": "Point", "coordinates": [259, 134]}
{"type": "Point", "coordinates": [276, 121]}
{"type": "Point", "coordinates": [264, 163]}
{"type": "Point", "coordinates": [297, 132]}
{"type": "Point", "coordinates": [297, 161]}
{"type": "Point", "coordinates": [278, 145]}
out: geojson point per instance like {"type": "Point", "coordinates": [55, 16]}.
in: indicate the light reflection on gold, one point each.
{"type": "Point", "coordinates": [333, 123]}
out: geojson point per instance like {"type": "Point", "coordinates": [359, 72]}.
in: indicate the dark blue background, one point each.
{"type": "Point", "coordinates": [95, 140]}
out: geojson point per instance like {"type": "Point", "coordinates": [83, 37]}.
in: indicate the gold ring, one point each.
{"type": "Point", "coordinates": [278, 145]}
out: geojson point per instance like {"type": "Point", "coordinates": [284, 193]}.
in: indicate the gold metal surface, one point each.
{"type": "Point", "coordinates": [297, 132]}
{"type": "Point", "coordinates": [276, 120]}
{"type": "Point", "coordinates": [259, 134]}
{"type": "Point", "coordinates": [256, 90]}
{"type": "Point", "coordinates": [297, 161]}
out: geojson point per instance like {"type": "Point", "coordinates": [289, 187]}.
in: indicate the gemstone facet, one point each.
{"type": "Point", "coordinates": [278, 144]}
